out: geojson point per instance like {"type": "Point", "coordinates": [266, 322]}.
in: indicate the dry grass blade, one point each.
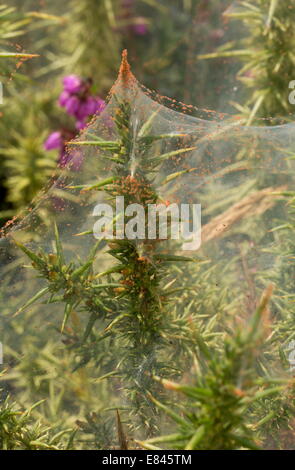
{"type": "Point", "coordinates": [254, 204]}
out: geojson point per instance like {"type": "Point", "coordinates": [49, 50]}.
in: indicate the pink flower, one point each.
{"type": "Point", "coordinates": [54, 141]}
{"type": "Point", "coordinates": [77, 100]}
{"type": "Point", "coordinates": [63, 98]}
{"type": "Point", "coordinates": [72, 105]}
{"type": "Point", "coordinates": [88, 107]}
{"type": "Point", "coordinates": [72, 83]}
{"type": "Point", "coordinates": [80, 125]}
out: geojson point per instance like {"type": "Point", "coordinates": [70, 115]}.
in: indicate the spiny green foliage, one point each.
{"type": "Point", "coordinates": [277, 414]}
{"type": "Point", "coordinates": [213, 415]}
{"type": "Point", "coordinates": [19, 431]}
{"type": "Point", "coordinates": [267, 51]}
{"type": "Point", "coordinates": [28, 165]}
{"type": "Point", "coordinates": [11, 24]}
{"type": "Point", "coordinates": [75, 282]}
{"type": "Point", "coordinates": [283, 275]}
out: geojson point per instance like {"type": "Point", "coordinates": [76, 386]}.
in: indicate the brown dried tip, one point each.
{"type": "Point", "coordinates": [126, 80]}
{"type": "Point", "coordinates": [125, 73]}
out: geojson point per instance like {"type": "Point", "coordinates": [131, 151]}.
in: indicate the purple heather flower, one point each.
{"type": "Point", "coordinates": [77, 100]}
{"type": "Point", "coordinates": [72, 105]}
{"type": "Point", "coordinates": [72, 83]}
{"type": "Point", "coordinates": [86, 108]}
{"type": "Point", "coordinates": [80, 125]}
{"type": "Point", "coordinates": [89, 106]}
{"type": "Point", "coordinates": [54, 141]}
{"type": "Point", "coordinates": [63, 98]}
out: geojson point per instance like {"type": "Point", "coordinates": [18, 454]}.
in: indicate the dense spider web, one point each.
{"type": "Point", "coordinates": [239, 175]}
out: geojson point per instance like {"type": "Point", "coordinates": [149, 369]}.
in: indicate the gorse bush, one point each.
{"type": "Point", "coordinates": [133, 342]}
{"type": "Point", "coordinates": [266, 53]}
{"type": "Point", "coordinates": [226, 388]}
{"type": "Point", "coordinates": [19, 431]}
